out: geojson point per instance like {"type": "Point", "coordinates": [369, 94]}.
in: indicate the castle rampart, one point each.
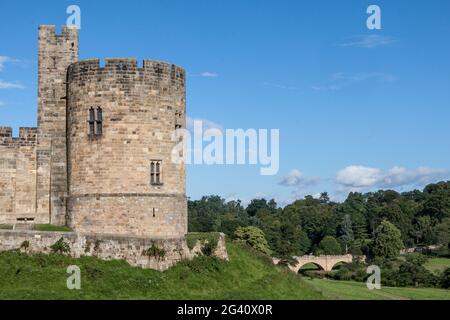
{"type": "Point", "coordinates": [17, 174]}
{"type": "Point", "coordinates": [100, 159]}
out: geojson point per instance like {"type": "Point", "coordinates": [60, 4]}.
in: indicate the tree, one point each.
{"type": "Point", "coordinates": [254, 237]}
{"type": "Point", "coordinates": [424, 231]}
{"type": "Point", "coordinates": [388, 241]}
{"type": "Point", "coordinates": [329, 245]}
{"type": "Point", "coordinates": [346, 231]}
{"type": "Point", "coordinates": [258, 204]}
{"type": "Point", "coordinates": [324, 198]}
{"type": "Point", "coordinates": [443, 232]}
{"type": "Point", "coordinates": [355, 206]}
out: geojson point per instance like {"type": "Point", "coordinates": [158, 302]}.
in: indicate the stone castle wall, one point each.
{"type": "Point", "coordinates": [109, 175]}
{"type": "Point", "coordinates": [108, 247]}
{"type": "Point", "coordinates": [17, 175]}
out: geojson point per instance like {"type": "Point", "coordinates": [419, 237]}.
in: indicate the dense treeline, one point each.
{"type": "Point", "coordinates": [375, 223]}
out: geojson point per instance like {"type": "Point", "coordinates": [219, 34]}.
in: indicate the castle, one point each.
{"type": "Point", "coordinates": [100, 159]}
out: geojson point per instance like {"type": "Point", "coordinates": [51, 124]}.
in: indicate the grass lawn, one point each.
{"type": "Point", "coordinates": [437, 265]}
{"type": "Point", "coordinates": [349, 290]}
{"type": "Point", "coordinates": [246, 276]}
{"type": "Point", "coordinates": [51, 227]}
{"type": "Point", "coordinates": [6, 226]}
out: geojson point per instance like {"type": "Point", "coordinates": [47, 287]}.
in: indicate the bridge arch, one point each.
{"type": "Point", "coordinates": [326, 262]}
{"type": "Point", "coordinates": [300, 266]}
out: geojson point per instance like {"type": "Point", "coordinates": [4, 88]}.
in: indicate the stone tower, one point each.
{"type": "Point", "coordinates": [56, 53]}
{"type": "Point", "coordinates": [120, 123]}
{"type": "Point", "coordinates": [100, 160]}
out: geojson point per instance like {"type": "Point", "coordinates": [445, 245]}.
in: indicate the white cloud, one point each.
{"type": "Point", "coordinates": [5, 59]}
{"type": "Point", "coordinates": [360, 177]}
{"type": "Point", "coordinates": [10, 85]}
{"type": "Point", "coordinates": [278, 86]}
{"type": "Point", "coordinates": [206, 124]}
{"type": "Point", "coordinates": [208, 74]}
{"type": "Point", "coordinates": [368, 41]}
{"type": "Point", "coordinates": [296, 178]}
{"type": "Point", "coordinates": [361, 76]}
{"type": "Point", "coordinates": [339, 80]}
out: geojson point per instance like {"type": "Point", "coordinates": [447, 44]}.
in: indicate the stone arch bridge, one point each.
{"type": "Point", "coordinates": [324, 262]}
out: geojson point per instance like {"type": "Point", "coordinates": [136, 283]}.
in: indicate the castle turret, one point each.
{"type": "Point", "coordinates": [56, 53]}
{"type": "Point", "coordinates": [120, 124]}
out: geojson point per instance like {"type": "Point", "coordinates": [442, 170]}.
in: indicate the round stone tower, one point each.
{"type": "Point", "coordinates": [120, 120]}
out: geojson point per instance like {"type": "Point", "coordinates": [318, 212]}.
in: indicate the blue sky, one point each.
{"type": "Point", "coordinates": [357, 109]}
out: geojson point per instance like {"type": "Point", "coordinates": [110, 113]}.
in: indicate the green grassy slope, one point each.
{"type": "Point", "coordinates": [246, 276]}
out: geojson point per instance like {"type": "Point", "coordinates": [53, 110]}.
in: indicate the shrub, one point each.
{"type": "Point", "coordinates": [350, 271]}
{"type": "Point", "coordinates": [410, 274]}
{"type": "Point", "coordinates": [25, 245]}
{"type": "Point", "coordinates": [209, 240]}
{"type": "Point", "coordinates": [155, 252]}
{"type": "Point", "coordinates": [208, 248]}
{"type": "Point", "coordinates": [445, 279]}
{"type": "Point", "coordinates": [253, 237]}
{"type": "Point", "coordinates": [60, 247]}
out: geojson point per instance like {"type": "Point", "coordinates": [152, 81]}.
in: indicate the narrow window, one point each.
{"type": "Point", "coordinates": [155, 172]}
{"type": "Point", "coordinates": [99, 121]}
{"type": "Point", "coordinates": [91, 122]}
{"type": "Point", "coordinates": [178, 120]}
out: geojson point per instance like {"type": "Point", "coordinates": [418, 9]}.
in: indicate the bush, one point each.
{"type": "Point", "coordinates": [350, 271]}
{"type": "Point", "coordinates": [253, 237]}
{"type": "Point", "coordinates": [445, 279]}
{"type": "Point", "coordinates": [209, 240]}
{"type": "Point", "coordinates": [408, 273]}
{"type": "Point", "coordinates": [155, 252]}
{"type": "Point", "coordinates": [329, 246]}
{"type": "Point", "coordinates": [60, 247]}
{"type": "Point", "coordinates": [25, 245]}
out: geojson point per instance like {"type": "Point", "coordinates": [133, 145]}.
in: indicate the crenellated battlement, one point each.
{"type": "Point", "coordinates": [27, 137]}
{"type": "Point", "coordinates": [5, 132]}
{"type": "Point", "coordinates": [151, 69]}
{"type": "Point", "coordinates": [49, 31]}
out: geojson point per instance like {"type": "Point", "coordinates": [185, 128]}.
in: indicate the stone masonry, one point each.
{"type": "Point", "coordinates": [107, 247]}
{"type": "Point", "coordinates": [98, 181]}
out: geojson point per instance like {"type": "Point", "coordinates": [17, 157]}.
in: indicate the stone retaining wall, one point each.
{"type": "Point", "coordinates": [110, 247]}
